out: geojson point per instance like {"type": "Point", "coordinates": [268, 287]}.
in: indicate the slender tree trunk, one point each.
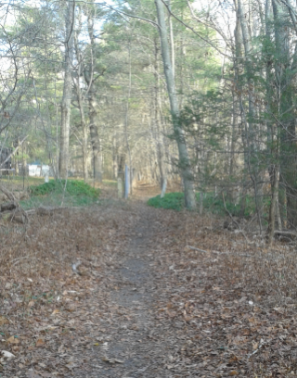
{"type": "Point", "coordinates": [126, 123]}
{"type": "Point", "coordinates": [274, 178]}
{"type": "Point", "coordinates": [184, 161]}
{"type": "Point", "coordinates": [85, 135]}
{"type": "Point", "coordinates": [253, 164]}
{"type": "Point", "coordinates": [67, 92]}
{"type": "Point", "coordinates": [157, 120]}
{"type": "Point", "coordinates": [115, 156]}
{"type": "Point", "coordinates": [95, 140]}
{"type": "Point", "coordinates": [234, 124]}
{"type": "Point", "coordinates": [238, 63]}
{"type": "Point", "coordinates": [80, 100]}
{"type": "Point", "coordinates": [172, 45]}
{"type": "Point", "coordinates": [89, 78]}
{"type": "Point", "coordinates": [272, 137]}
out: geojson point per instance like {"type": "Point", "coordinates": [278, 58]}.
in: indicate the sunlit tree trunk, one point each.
{"type": "Point", "coordinates": [67, 92]}
{"type": "Point", "coordinates": [89, 78]}
{"type": "Point", "coordinates": [80, 101]}
{"type": "Point", "coordinates": [184, 161]}
{"type": "Point", "coordinates": [157, 120]}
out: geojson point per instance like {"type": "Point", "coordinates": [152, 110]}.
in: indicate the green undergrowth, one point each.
{"type": "Point", "coordinates": [57, 192]}
{"type": "Point", "coordinates": [173, 201]}
{"type": "Point", "coordinates": [211, 203]}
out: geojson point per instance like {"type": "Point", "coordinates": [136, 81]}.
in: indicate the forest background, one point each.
{"type": "Point", "coordinates": [173, 89]}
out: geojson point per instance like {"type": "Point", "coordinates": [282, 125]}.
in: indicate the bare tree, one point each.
{"type": "Point", "coordinates": [184, 161]}
{"type": "Point", "coordinates": [67, 91]}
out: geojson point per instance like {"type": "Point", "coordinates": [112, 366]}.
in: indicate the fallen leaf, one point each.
{"type": "Point", "coordinates": [3, 320]}
{"type": "Point", "coordinates": [255, 346]}
{"type": "Point", "coordinates": [109, 360]}
{"type": "Point", "coordinates": [6, 354]}
{"type": "Point", "coordinates": [40, 343]}
{"type": "Point", "coordinates": [13, 340]}
{"type": "Point", "coordinates": [71, 307]}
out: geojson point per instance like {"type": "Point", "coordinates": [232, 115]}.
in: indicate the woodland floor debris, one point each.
{"type": "Point", "coordinates": [141, 303]}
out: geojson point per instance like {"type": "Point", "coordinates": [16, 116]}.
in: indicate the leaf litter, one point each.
{"type": "Point", "coordinates": [129, 291]}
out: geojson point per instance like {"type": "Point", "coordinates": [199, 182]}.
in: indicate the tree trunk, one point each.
{"type": "Point", "coordinates": [67, 92]}
{"type": "Point", "coordinates": [252, 150]}
{"type": "Point", "coordinates": [85, 131]}
{"type": "Point", "coordinates": [184, 162]}
{"type": "Point", "coordinates": [274, 178]}
{"type": "Point", "coordinates": [126, 122]}
{"type": "Point", "coordinates": [95, 141]}
{"type": "Point", "coordinates": [171, 40]}
{"type": "Point", "coordinates": [80, 100]}
{"type": "Point", "coordinates": [156, 120]}
{"type": "Point", "coordinates": [89, 78]}
{"type": "Point", "coordinates": [115, 156]}
{"type": "Point", "coordinates": [286, 117]}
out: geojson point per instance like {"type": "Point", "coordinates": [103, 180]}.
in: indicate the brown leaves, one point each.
{"type": "Point", "coordinates": [40, 343]}
{"type": "Point", "coordinates": [216, 301]}
{"type": "Point", "coordinates": [149, 303]}
{"type": "Point", "coordinates": [13, 340]}
{"type": "Point", "coordinates": [3, 321]}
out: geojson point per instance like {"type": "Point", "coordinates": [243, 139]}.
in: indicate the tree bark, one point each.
{"type": "Point", "coordinates": [126, 121]}
{"type": "Point", "coordinates": [89, 78]}
{"type": "Point", "coordinates": [285, 117]}
{"type": "Point", "coordinates": [184, 162]}
{"type": "Point", "coordinates": [160, 148]}
{"type": "Point", "coordinates": [80, 100]}
{"type": "Point", "coordinates": [67, 92]}
{"type": "Point", "coordinates": [252, 150]}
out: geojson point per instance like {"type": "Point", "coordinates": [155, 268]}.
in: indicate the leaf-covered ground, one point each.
{"type": "Point", "coordinates": [124, 290]}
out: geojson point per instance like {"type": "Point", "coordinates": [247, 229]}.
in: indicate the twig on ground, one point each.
{"type": "Point", "coordinates": [217, 252]}
{"type": "Point", "coordinates": [75, 266]}
{"type": "Point", "coordinates": [262, 342]}
{"type": "Point", "coordinates": [196, 249]}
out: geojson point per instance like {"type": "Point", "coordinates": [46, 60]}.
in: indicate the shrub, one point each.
{"type": "Point", "coordinates": [174, 201]}
{"type": "Point", "coordinates": [72, 187]}
{"type": "Point", "coordinates": [56, 192]}
{"type": "Point", "coordinates": [211, 202]}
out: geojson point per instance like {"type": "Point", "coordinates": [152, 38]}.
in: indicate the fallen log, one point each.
{"type": "Point", "coordinates": [47, 210]}
{"type": "Point", "coordinates": [285, 235]}
{"type": "Point", "coordinates": [8, 206]}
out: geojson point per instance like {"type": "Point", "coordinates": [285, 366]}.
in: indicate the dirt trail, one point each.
{"type": "Point", "coordinates": [159, 294]}
{"type": "Point", "coordinates": [105, 325]}
{"type": "Point", "coordinates": [126, 343]}
{"type": "Point", "coordinates": [139, 355]}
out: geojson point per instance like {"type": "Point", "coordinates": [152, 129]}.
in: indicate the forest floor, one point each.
{"type": "Point", "coordinates": [122, 290]}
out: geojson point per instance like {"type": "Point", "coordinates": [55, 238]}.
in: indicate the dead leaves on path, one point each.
{"type": "Point", "coordinates": [52, 317]}
{"type": "Point", "coordinates": [223, 314]}
{"type": "Point", "coordinates": [230, 314]}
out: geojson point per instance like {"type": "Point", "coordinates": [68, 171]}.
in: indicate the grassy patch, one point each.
{"type": "Point", "coordinates": [173, 201]}
{"type": "Point", "coordinates": [211, 202]}
{"type": "Point", "coordinates": [53, 193]}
